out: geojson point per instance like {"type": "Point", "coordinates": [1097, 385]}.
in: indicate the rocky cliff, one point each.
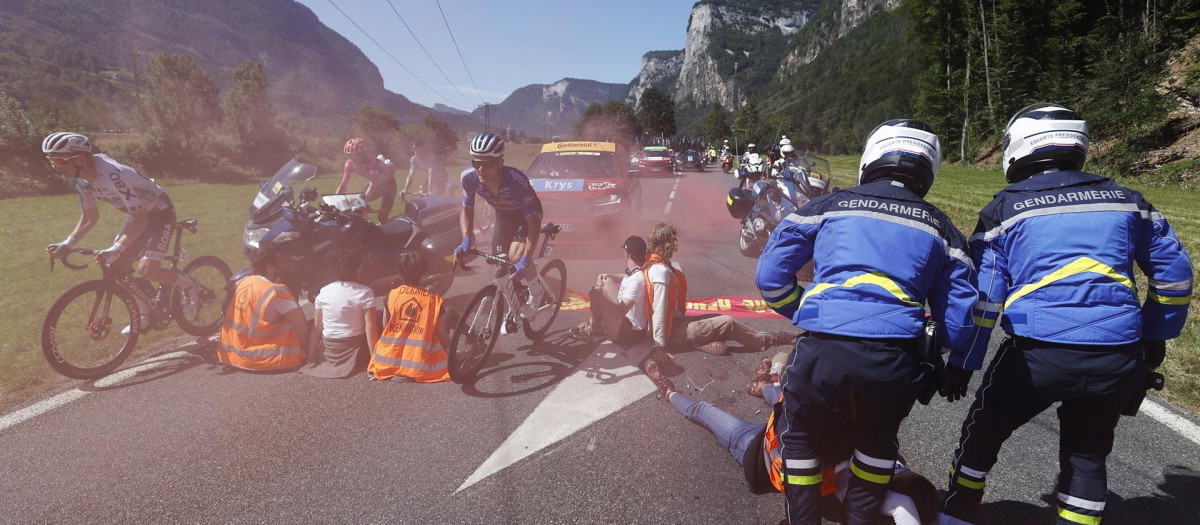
{"type": "Point", "coordinates": [660, 69]}
{"type": "Point", "coordinates": [833, 21]}
{"type": "Point", "coordinates": [547, 110]}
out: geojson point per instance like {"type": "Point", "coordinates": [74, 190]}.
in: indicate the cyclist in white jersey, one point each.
{"type": "Point", "coordinates": [145, 236]}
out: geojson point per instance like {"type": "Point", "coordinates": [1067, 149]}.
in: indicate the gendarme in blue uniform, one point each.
{"type": "Point", "coordinates": [881, 252]}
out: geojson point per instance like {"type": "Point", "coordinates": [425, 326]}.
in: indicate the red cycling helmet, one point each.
{"type": "Point", "coordinates": [353, 145]}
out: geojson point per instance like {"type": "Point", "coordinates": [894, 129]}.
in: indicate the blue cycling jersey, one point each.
{"type": "Point", "coordinates": [515, 193]}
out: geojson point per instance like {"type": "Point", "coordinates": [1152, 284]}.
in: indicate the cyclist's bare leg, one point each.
{"type": "Point", "coordinates": [153, 270]}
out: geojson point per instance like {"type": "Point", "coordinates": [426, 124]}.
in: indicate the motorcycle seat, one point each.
{"type": "Point", "coordinates": [396, 228]}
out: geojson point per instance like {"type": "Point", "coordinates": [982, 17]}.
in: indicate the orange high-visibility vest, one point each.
{"type": "Point", "coordinates": [676, 291]}
{"type": "Point", "coordinates": [247, 340]}
{"type": "Point", "coordinates": [409, 345]}
{"type": "Point", "coordinates": [774, 457]}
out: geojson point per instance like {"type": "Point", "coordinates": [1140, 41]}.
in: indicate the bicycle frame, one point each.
{"type": "Point", "coordinates": [503, 280]}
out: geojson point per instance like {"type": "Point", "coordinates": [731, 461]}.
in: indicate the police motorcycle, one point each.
{"type": "Point", "coordinates": [304, 233]}
{"type": "Point", "coordinates": [727, 162]}
{"type": "Point", "coordinates": [751, 171]}
{"type": "Point", "coordinates": [768, 201]}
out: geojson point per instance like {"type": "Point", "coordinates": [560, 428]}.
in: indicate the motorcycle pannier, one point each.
{"type": "Point", "coordinates": [739, 202]}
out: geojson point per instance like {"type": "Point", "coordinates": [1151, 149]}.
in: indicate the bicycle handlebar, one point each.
{"type": "Point", "coordinates": [68, 263]}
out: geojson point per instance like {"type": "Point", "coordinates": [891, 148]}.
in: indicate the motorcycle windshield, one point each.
{"type": "Point", "coordinates": [279, 190]}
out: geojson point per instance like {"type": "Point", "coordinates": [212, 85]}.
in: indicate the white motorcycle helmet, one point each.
{"type": "Point", "coordinates": [1042, 136]}
{"type": "Point", "coordinates": [787, 148]}
{"type": "Point", "coordinates": [904, 150]}
{"type": "Point", "coordinates": [784, 141]}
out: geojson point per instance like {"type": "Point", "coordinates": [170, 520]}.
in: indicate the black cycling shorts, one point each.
{"type": "Point", "coordinates": [155, 241]}
{"type": "Point", "coordinates": [510, 227]}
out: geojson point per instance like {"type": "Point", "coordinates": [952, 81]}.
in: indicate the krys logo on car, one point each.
{"type": "Point", "coordinates": [557, 184]}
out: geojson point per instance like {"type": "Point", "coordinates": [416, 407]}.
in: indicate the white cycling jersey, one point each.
{"type": "Point", "coordinates": [122, 186]}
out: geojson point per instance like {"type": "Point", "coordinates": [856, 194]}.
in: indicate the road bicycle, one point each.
{"type": "Point", "coordinates": [94, 326]}
{"type": "Point", "coordinates": [501, 304]}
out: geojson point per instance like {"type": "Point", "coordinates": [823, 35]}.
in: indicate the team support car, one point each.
{"type": "Point", "coordinates": [586, 187]}
{"type": "Point", "coordinates": [657, 159]}
{"type": "Point", "coordinates": [691, 160]}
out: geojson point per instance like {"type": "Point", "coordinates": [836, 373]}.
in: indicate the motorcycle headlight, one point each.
{"type": "Point", "coordinates": [251, 237]}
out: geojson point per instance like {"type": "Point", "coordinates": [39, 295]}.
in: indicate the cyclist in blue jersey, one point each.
{"type": "Point", "coordinates": [507, 189]}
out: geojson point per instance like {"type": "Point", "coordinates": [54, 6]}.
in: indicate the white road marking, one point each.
{"type": "Point", "coordinates": [671, 198]}
{"type": "Point", "coordinates": [606, 382]}
{"type": "Point", "coordinates": [672, 195]}
{"type": "Point", "coordinates": [75, 394]}
{"type": "Point", "coordinates": [1173, 421]}
{"type": "Point", "coordinates": [667, 210]}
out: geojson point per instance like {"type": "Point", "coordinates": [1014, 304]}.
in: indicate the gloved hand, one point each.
{"type": "Point", "coordinates": [954, 382]}
{"type": "Point", "coordinates": [55, 249]}
{"type": "Point", "coordinates": [1156, 352]}
{"type": "Point", "coordinates": [109, 255]}
{"type": "Point", "coordinates": [522, 267]}
{"type": "Point", "coordinates": [464, 247]}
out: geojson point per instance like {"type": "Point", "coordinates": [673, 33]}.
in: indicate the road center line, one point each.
{"type": "Point", "coordinates": [46, 405]}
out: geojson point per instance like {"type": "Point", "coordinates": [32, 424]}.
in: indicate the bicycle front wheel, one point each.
{"type": "Point", "coordinates": [202, 314]}
{"type": "Point", "coordinates": [554, 283]}
{"type": "Point", "coordinates": [82, 334]}
{"type": "Point", "coordinates": [475, 335]}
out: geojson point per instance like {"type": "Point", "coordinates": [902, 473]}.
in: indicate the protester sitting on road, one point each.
{"type": "Point", "coordinates": [264, 328]}
{"type": "Point", "coordinates": [910, 499]}
{"type": "Point", "coordinates": [666, 291]}
{"type": "Point", "coordinates": [345, 323]}
{"type": "Point", "coordinates": [417, 324]}
{"type": "Point", "coordinates": [618, 301]}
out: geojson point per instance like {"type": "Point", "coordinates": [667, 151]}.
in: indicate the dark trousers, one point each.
{"type": "Point", "coordinates": [1025, 378]}
{"type": "Point", "coordinates": [877, 380]}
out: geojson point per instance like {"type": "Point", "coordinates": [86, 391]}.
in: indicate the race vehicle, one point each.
{"type": "Point", "coordinates": [690, 160]}
{"type": "Point", "coordinates": [657, 159]}
{"type": "Point", "coordinates": [586, 187]}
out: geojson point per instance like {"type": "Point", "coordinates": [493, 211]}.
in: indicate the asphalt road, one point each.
{"type": "Point", "coordinates": [185, 440]}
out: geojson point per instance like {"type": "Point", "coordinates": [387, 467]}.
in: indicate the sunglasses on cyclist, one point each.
{"type": "Point", "coordinates": [59, 162]}
{"type": "Point", "coordinates": [479, 164]}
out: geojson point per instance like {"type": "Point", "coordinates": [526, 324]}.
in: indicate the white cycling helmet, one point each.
{"type": "Point", "coordinates": [487, 145]}
{"type": "Point", "coordinates": [66, 144]}
{"type": "Point", "coordinates": [1042, 136]}
{"type": "Point", "coordinates": [904, 150]}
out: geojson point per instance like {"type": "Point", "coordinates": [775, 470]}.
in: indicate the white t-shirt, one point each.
{"type": "Point", "coordinates": [342, 305]}
{"type": "Point", "coordinates": [633, 288]}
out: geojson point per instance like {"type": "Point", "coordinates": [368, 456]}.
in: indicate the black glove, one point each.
{"type": "Point", "coordinates": [954, 382]}
{"type": "Point", "coordinates": [1156, 352]}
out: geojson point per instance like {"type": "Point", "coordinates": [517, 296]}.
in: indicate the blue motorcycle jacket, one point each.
{"type": "Point", "coordinates": [879, 253]}
{"type": "Point", "coordinates": [1055, 254]}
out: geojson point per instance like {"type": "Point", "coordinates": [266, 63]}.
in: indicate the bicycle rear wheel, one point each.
{"type": "Point", "coordinates": [475, 335]}
{"type": "Point", "coordinates": [81, 335]}
{"type": "Point", "coordinates": [554, 278]}
{"type": "Point", "coordinates": [204, 319]}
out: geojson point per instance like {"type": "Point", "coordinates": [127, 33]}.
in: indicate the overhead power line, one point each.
{"type": "Point", "coordinates": [386, 52]}
{"type": "Point", "coordinates": [460, 55]}
{"type": "Point", "coordinates": [422, 46]}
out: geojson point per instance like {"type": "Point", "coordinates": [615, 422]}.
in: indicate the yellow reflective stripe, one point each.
{"type": "Point", "coordinates": [789, 298]}
{"type": "Point", "coordinates": [729, 199]}
{"type": "Point", "coordinates": [986, 323]}
{"type": "Point", "coordinates": [1077, 517]}
{"type": "Point", "coordinates": [814, 479]}
{"type": "Point", "coordinates": [875, 278]}
{"type": "Point", "coordinates": [1076, 267]}
{"type": "Point", "coordinates": [873, 478]}
{"type": "Point", "coordinates": [1178, 301]}
{"type": "Point", "coordinates": [977, 485]}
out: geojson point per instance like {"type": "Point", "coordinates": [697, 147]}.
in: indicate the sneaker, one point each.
{"type": "Point", "coordinates": [762, 376]}
{"type": "Point", "coordinates": [714, 348]}
{"type": "Point", "coordinates": [781, 338]}
{"type": "Point", "coordinates": [143, 324]}
{"type": "Point", "coordinates": [665, 386]}
{"type": "Point", "coordinates": [530, 310]}
{"type": "Point", "coordinates": [585, 332]}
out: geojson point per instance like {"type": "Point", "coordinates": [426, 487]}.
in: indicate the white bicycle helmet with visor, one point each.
{"type": "Point", "coordinates": [1042, 136]}
{"type": "Point", "coordinates": [487, 145]}
{"type": "Point", "coordinates": [66, 144]}
{"type": "Point", "coordinates": [904, 150]}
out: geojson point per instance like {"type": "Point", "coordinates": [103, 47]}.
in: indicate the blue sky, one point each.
{"type": "Point", "coordinates": [507, 44]}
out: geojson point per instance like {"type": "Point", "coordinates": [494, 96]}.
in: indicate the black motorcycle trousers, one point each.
{"type": "Point", "coordinates": [1093, 383]}
{"type": "Point", "coordinates": [877, 381]}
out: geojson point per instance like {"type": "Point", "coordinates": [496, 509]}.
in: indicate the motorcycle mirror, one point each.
{"type": "Point", "coordinates": [308, 195]}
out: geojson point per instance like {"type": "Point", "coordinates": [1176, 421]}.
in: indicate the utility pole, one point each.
{"type": "Point", "coordinates": [137, 92]}
{"type": "Point", "coordinates": [487, 117]}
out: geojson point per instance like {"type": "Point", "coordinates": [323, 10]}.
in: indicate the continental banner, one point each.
{"type": "Point", "coordinates": [740, 307]}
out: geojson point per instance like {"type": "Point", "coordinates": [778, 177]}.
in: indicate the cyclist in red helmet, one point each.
{"type": "Point", "coordinates": [379, 172]}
